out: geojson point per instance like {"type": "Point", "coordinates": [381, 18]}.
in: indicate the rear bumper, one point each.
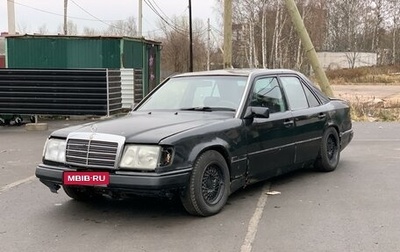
{"type": "Point", "coordinates": [345, 138]}
{"type": "Point", "coordinates": [52, 177]}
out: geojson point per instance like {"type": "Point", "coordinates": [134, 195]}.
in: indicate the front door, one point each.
{"type": "Point", "coordinates": [270, 140]}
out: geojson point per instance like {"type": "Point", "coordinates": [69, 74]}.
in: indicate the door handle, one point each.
{"type": "Point", "coordinates": [321, 116]}
{"type": "Point", "coordinates": [288, 123]}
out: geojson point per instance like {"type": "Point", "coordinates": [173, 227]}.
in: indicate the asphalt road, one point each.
{"type": "Point", "coordinates": [355, 208]}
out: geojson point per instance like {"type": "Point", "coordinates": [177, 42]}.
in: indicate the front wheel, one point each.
{"type": "Point", "coordinates": [208, 188]}
{"type": "Point", "coordinates": [329, 154]}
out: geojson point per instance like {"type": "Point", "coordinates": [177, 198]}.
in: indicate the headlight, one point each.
{"type": "Point", "coordinates": [144, 157]}
{"type": "Point", "coordinates": [54, 150]}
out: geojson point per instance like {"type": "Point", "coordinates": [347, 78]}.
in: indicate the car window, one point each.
{"type": "Point", "coordinates": [160, 100]}
{"type": "Point", "coordinates": [312, 101]}
{"type": "Point", "coordinates": [317, 91]}
{"type": "Point", "coordinates": [201, 92]}
{"type": "Point", "coordinates": [267, 93]}
{"type": "Point", "coordinates": [197, 91]}
{"type": "Point", "coordinates": [295, 93]}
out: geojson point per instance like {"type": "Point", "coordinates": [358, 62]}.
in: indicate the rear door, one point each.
{"type": "Point", "coordinates": [309, 117]}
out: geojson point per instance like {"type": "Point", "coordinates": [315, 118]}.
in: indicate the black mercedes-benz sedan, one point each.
{"type": "Point", "coordinates": [201, 136]}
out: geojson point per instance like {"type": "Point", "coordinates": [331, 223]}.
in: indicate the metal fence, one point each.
{"type": "Point", "coordinates": [60, 92]}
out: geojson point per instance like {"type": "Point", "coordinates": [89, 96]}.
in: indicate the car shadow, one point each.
{"type": "Point", "coordinates": [151, 208]}
{"type": "Point", "coordinates": [306, 175]}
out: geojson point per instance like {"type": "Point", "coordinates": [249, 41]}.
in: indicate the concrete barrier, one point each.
{"type": "Point", "coordinates": [36, 126]}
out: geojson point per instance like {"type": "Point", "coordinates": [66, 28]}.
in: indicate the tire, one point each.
{"type": "Point", "coordinates": [329, 154]}
{"type": "Point", "coordinates": [81, 193]}
{"type": "Point", "coordinates": [208, 188]}
{"type": "Point", "coordinates": [17, 120]}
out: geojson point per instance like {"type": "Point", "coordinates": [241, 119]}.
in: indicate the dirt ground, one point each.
{"type": "Point", "coordinates": [368, 93]}
{"type": "Point", "coordinates": [371, 102]}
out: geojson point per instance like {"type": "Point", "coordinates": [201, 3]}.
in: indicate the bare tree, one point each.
{"type": "Point", "coordinates": [72, 28]}
{"type": "Point", "coordinates": [43, 29]}
{"type": "Point", "coordinates": [248, 16]}
{"type": "Point", "coordinates": [352, 58]}
{"type": "Point", "coordinates": [22, 28]}
{"type": "Point", "coordinates": [175, 41]}
{"type": "Point", "coordinates": [263, 37]}
{"type": "Point", "coordinates": [264, 34]}
{"type": "Point", "coordinates": [122, 28]}
{"type": "Point", "coordinates": [378, 13]}
{"type": "Point", "coordinates": [280, 23]}
{"type": "Point", "coordinates": [345, 21]}
{"type": "Point", "coordinates": [299, 53]}
{"type": "Point", "coordinates": [394, 15]}
{"type": "Point", "coordinates": [91, 32]}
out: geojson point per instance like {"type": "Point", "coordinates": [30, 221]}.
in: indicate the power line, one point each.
{"type": "Point", "coordinates": [173, 26]}
{"type": "Point", "coordinates": [90, 14]}
{"type": "Point", "coordinates": [216, 30]}
{"type": "Point", "coordinates": [61, 15]}
{"type": "Point", "coordinates": [153, 6]}
{"type": "Point", "coordinates": [98, 19]}
{"type": "Point", "coordinates": [151, 24]}
{"type": "Point", "coordinates": [159, 8]}
{"type": "Point", "coordinates": [183, 12]}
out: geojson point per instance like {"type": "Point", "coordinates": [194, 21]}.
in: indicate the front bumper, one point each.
{"type": "Point", "coordinates": [121, 181]}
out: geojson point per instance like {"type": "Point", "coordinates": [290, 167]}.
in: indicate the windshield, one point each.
{"type": "Point", "coordinates": [205, 93]}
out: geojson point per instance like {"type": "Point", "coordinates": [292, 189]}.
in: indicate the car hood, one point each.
{"type": "Point", "coordinates": [141, 127]}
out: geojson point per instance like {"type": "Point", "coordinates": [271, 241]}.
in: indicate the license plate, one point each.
{"type": "Point", "coordinates": [86, 178]}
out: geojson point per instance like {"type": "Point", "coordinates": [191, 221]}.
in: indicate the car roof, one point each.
{"type": "Point", "coordinates": [237, 72]}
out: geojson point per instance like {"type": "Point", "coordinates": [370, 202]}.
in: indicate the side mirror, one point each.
{"type": "Point", "coordinates": [256, 112]}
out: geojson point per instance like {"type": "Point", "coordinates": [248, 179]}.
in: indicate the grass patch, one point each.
{"type": "Point", "coordinates": [365, 108]}
{"type": "Point", "coordinates": [366, 75]}
{"type": "Point", "coordinates": [375, 111]}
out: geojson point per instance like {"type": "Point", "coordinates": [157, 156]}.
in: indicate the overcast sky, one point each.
{"type": "Point", "coordinates": [32, 14]}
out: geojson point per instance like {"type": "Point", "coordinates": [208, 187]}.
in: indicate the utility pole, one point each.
{"type": "Point", "coordinates": [11, 17]}
{"type": "Point", "coordinates": [227, 33]}
{"type": "Point", "coordinates": [309, 47]}
{"type": "Point", "coordinates": [140, 16]}
{"type": "Point", "coordinates": [190, 38]}
{"type": "Point", "coordinates": [208, 43]}
{"type": "Point", "coordinates": [65, 17]}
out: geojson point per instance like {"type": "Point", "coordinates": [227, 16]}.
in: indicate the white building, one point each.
{"type": "Point", "coordinates": [337, 60]}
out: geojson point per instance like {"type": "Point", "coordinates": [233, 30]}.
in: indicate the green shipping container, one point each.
{"type": "Point", "coordinates": [71, 52]}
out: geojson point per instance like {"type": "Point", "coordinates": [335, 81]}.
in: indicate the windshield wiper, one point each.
{"type": "Point", "coordinates": [198, 109]}
{"type": "Point", "coordinates": [208, 109]}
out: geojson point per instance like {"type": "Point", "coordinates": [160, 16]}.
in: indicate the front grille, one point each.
{"type": "Point", "coordinates": [91, 153]}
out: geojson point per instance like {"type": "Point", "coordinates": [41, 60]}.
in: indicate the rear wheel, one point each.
{"type": "Point", "coordinates": [208, 188]}
{"type": "Point", "coordinates": [81, 193]}
{"type": "Point", "coordinates": [329, 154]}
